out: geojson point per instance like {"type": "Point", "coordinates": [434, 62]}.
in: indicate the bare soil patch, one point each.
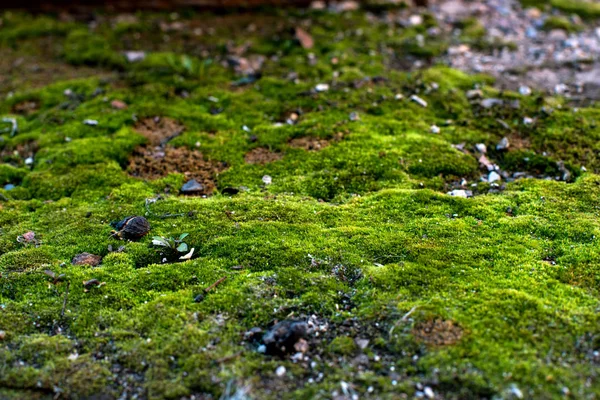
{"type": "Point", "coordinates": [262, 155]}
{"type": "Point", "coordinates": [309, 143]}
{"type": "Point", "coordinates": [26, 107]}
{"type": "Point", "coordinates": [159, 130]}
{"type": "Point", "coordinates": [17, 154]}
{"type": "Point", "coordinates": [158, 162]}
{"type": "Point", "coordinates": [438, 332]}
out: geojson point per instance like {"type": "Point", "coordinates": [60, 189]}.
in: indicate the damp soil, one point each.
{"type": "Point", "coordinates": [438, 332]}
{"type": "Point", "coordinates": [262, 155]}
{"type": "Point", "coordinates": [159, 130]}
{"type": "Point", "coordinates": [156, 162]}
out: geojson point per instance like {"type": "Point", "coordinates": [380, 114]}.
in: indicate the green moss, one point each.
{"type": "Point", "coordinates": [359, 233]}
{"type": "Point", "coordinates": [28, 259]}
{"type": "Point", "coordinates": [583, 8]}
{"type": "Point", "coordinates": [10, 174]}
{"type": "Point", "coordinates": [83, 47]}
{"type": "Point", "coordinates": [343, 345]}
{"type": "Point", "coordinates": [560, 22]}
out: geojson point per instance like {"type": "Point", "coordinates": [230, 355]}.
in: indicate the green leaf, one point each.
{"type": "Point", "coordinates": [182, 248]}
{"type": "Point", "coordinates": [183, 236]}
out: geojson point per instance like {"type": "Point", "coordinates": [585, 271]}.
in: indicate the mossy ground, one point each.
{"type": "Point", "coordinates": [359, 234]}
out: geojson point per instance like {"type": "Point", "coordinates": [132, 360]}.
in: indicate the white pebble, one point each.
{"type": "Point", "coordinates": [322, 87]}
{"type": "Point", "coordinates": [418, 100]}
{"type": "Point", "coordinates": [494, 176]}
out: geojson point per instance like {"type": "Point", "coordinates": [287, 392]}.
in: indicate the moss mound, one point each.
{"type": "Point", "coordinates": [327, 171]}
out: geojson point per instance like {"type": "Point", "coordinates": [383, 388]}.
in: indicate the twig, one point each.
{"type": "Point", "coordinates": [214, 285]}
{"type": "Point", "coordinates": [14, 127]}
{"type": "Point", "coordinates": [403, 319]}
{"type": "Point", "coordinates": [412, 310]}
{"type": "Point", "coordinates": [62, 312]}
{"type": "Point", "coordinates": [170, 215]}
{"type": "Point", "coordinates": [229, 357]}
{"type": "Point", "coordinates": [3, 197]}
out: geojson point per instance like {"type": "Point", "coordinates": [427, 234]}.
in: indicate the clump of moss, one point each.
{"type": "Point", "coordinates": [349, 226]}
{"type": "Point", "coordinates": [343, 345]}
{"type": "Point", "coordinates": [560, 22]}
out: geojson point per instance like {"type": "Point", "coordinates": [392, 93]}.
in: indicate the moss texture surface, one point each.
{"type": "Point", "coordinates": [416, 292]}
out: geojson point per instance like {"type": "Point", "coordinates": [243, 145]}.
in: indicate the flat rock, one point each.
{"type": "Point", "coordinates": [192, 187]}
{"type": "Point", "coordinates": [86, 259]}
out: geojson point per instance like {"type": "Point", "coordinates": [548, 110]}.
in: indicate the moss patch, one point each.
{"type": "Point", "coordinates": [401, 285]}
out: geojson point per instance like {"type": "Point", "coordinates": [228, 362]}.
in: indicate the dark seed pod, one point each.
{"type": "Point", "coordinates": [132, 228]}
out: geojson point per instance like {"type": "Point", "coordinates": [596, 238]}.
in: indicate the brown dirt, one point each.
{"type": "Point", "coordinates": [26, 107]}
{"type": "Point", "coordinates": [262, 155]}
{"type": "Point", "coordinates": [309, 143]}
{"type": "Point", "coordinates": [518, 142]}
{"type": "Point", "coordinates": [87, 259]}
{"type": "Point", "coordinates": [438, 332]}
{"type": "Point", "coordinates": [153, 163]}
{"type": "Point", "coordinates": [19, 153]}
{"type": "Point", "coordinates": [159, 130]}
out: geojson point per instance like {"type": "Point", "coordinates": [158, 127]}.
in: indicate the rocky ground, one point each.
{"type": "Point", "coordinates": [342, 202]}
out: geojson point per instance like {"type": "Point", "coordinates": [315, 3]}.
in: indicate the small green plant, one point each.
{"type": "Point", "coordinates": [172, 246]}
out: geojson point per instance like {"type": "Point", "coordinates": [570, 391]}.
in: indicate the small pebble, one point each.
{"type": "Point", "coordinates": [418, 100]}
{"type": "Point", "coordinates": [118, 105]}
{"type": "Point", "coordinates": [90, 122]}
{"type": "Point", "coordinates": [516, 392]}
{"type": "Point", "coordinates": [480, 147]}
{"type": "Point", "coordinates": [322, 87]}
{"type": "Point", "coordinates": [525, 90]}
{"type": "Point", "coordinates": [135, 56]}
{"type": "Point", "coordinates": [489, 103]}
{"type": "Point", "coordinates": [415, 20]}
{"type": "Point", "coordinates": [267, 180]}
{"type": "Point", "coordinates": [561, 88]}
{"type": "Point", "coordinates": [503, 144]}
{"type": "Point", "coordinates": [527, 121]}
{"type": "Point", "coordinates": [192, 187]}
{"type": "Point", "coordinates": [435, 129]}
{"type": "Point", "coordinates": [461, 193]}
{"type": "Point", "coordinates": [29, 161]}
{"type": "Point", "coordinates": [280, 371]}
{"type": "Point", "coordinates": [428, 392]}
{"type": "Point", "coordinates": [494, 177]}
{"type": "Point", "coordinates": [354, 116]}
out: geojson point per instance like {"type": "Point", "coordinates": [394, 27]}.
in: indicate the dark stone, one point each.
{"type": "Point", "coordinates": [282, 337]}
{"type": "Point", "coordinates": [199, 298]}
{"type": "Point", "coordinates": [132, 228]}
